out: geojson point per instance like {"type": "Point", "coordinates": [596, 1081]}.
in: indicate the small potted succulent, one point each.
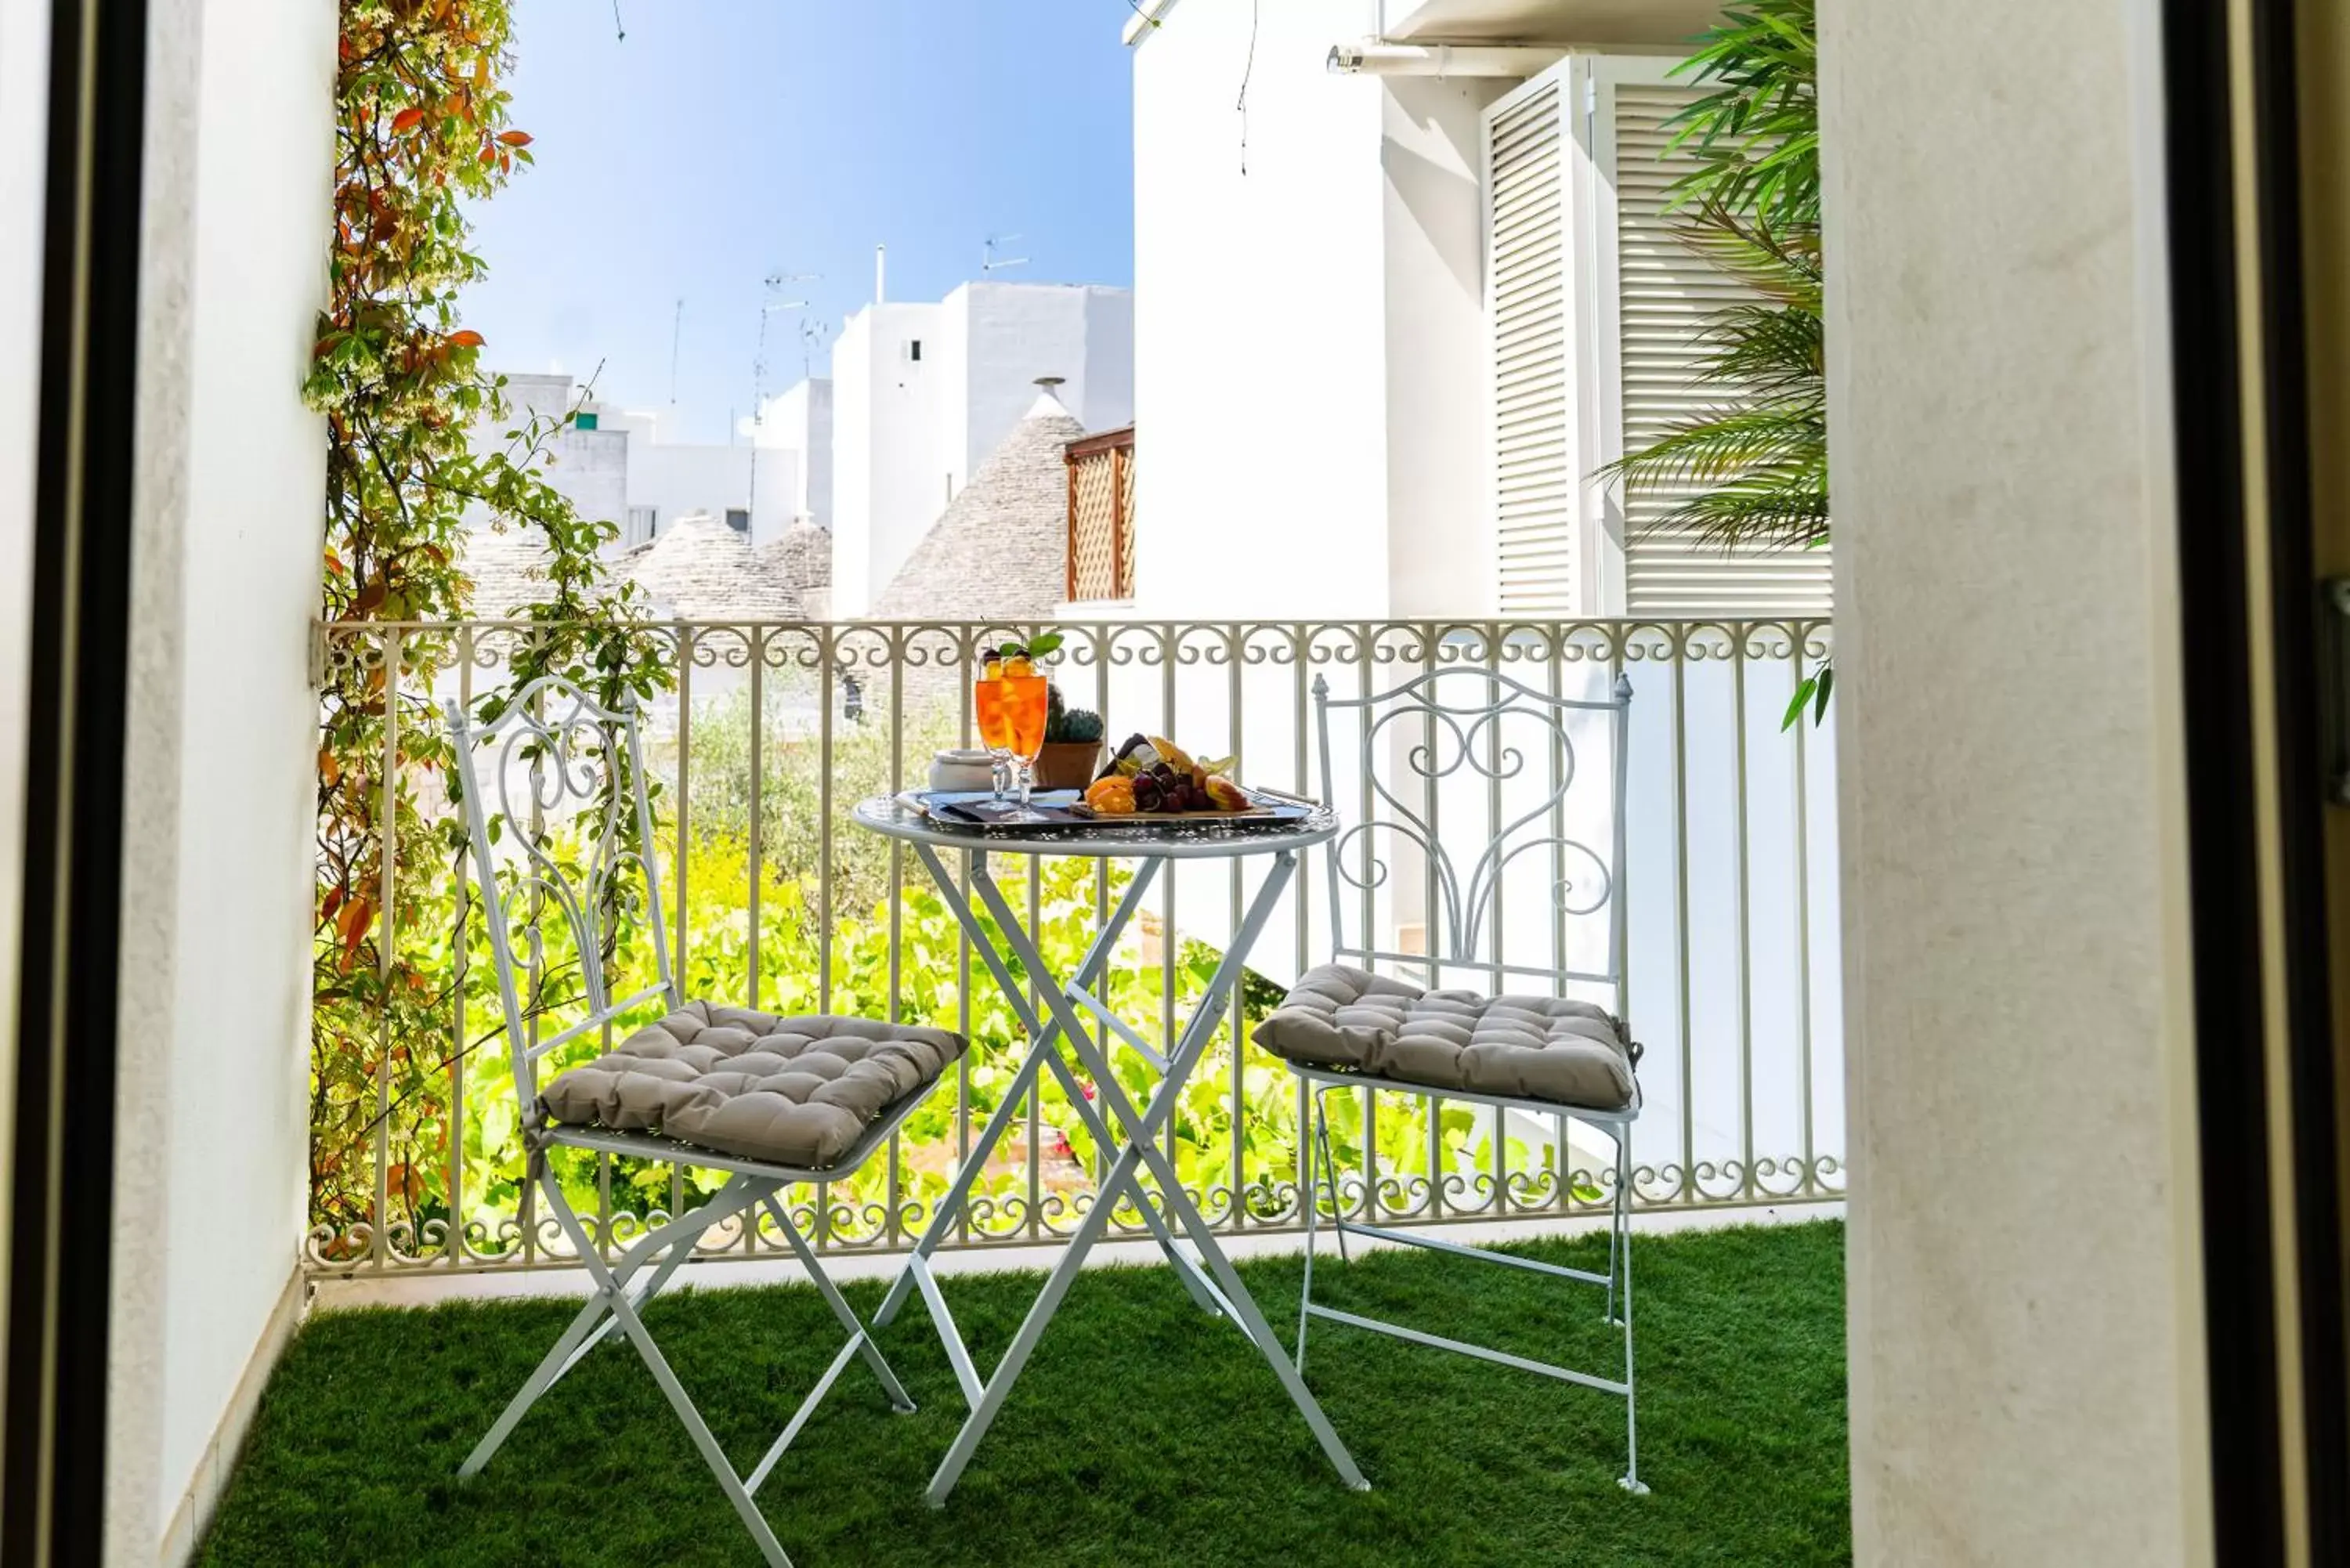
{"type": "Point", "coordinates": [1072, 743]}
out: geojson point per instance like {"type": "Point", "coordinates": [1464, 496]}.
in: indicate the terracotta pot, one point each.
{"type": "Point", "coordinates": [1067, 764]}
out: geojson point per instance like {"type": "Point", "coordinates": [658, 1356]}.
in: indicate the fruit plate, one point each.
{"type": "Point", "coordinates": [1066, 808]}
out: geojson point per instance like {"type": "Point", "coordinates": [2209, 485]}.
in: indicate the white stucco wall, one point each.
{"type": "Point", "coordinates": [2026, 1356]}
{"type": "Point", "coordinates": [692, 477]}
{"type": "Point", "coordinates": [907, 434]}
{"type": "Point", "coordinates": [590, 468]}
{"type": "Point", "coordinates": [627, 461]}
{"type": "Point", "coordinates": [889, 480]}
{"type": "Point", "coordinates": [1261, 404]}
{"type": "Point", "coordinates": [1440, 404]}
{"type": "Point", "coordinates": [999, 337]}
{"type": "Point", "coordinates": [211, 1198]}
{"type": "Point", "coordinates": [801, 420]}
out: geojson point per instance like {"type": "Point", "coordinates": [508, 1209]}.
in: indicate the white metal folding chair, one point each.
{"type": "Point", "coordinates": [700, 1066]}
{"type": "Point", "coordinates": [1347, 1027]}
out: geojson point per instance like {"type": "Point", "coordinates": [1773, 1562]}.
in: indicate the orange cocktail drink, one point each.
{"type": "Point", "coordinates": [1026, 702]}
{"type": "Point", "coordinates": [995, 722]}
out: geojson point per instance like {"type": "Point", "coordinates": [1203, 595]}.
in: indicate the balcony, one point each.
{"type": "Point", "coordinates": [765, 737]}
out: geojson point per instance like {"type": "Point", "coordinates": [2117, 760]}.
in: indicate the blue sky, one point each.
{"type": "Point", "coordinates": [724, 139]}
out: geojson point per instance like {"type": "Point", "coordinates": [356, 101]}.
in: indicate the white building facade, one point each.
{"type": "Point", "coordinates": [922, 392]}
{"type": "Point", "coordinates": [1387, 342]}
{"type": "Point", "coordinates": [620, 465]}
{"type": "Point", "coordinates": [800, 421]}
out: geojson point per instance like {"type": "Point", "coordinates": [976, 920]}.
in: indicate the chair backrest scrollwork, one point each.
{"type": "Point", "coordinates": [553, 752]}
{"type": "Point", "coordinates": [1470, 723]}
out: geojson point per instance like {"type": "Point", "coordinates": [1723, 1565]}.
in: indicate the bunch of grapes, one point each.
{"type": "Point", "coordinates": [1161, 788]}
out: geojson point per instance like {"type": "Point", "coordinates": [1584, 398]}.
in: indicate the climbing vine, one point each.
{"type": "Point", "coordinates": [421, 131]}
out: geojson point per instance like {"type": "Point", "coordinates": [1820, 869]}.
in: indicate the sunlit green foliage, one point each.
{"type": "Point", "coordinates": [420, 131]}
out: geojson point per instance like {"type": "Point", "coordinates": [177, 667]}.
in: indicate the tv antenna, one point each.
{"type": "Point", "coordinates": [775, 286]}
{"type": "Point", "coordinates": [813, 335]}
{"type": "Point", "coordinates": [991, 262]}
{"type": "Point", "coordinates": [676, 335]}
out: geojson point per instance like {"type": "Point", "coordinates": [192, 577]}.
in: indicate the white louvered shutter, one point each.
{"type": "Point", "coordinates": [1598, 316]}
{"type": "Point", "coordinates": [1534, 485]}
{"type": "Point", "coordinates": [1665, 295]}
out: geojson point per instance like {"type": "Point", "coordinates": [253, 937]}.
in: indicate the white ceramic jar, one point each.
{"type": "Point", "coordinates": [962, 770]}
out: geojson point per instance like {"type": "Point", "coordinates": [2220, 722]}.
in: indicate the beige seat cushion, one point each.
{"type": "Point", "coordinates": [791, 1091]}
{"type": "Point", "coordinates": [1521, 1047]}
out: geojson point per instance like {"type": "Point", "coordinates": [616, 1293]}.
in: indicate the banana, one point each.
{"type": "Point", "coordinates": [1173, 756]}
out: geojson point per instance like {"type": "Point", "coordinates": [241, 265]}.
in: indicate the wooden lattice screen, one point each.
{"type": "Point", "coordinates": [1101, 516]}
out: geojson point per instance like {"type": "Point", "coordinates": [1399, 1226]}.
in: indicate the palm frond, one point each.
{"type": "Point", "coordinates": [1771, 351]}
{"type": "Point", "coordinates": [1789, 515]}
{"type": "Point", "coordinates": [1756, 136]}
{"type": "Point", "coordinates": [1781, 264]}
{"type": "Point", "coordinates": [1751, 471]}
{"type": "Point", "coordinates": [1723, 449]}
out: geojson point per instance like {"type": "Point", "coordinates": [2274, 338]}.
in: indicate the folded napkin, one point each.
{"type": "Point", "coordinates": [1039, 811]}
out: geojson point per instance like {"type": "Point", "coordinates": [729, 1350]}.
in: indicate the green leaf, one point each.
{"type": "Point", "coordinates": [1812, 691]}
{"type": "Point", "coordinates": [1803, 690]}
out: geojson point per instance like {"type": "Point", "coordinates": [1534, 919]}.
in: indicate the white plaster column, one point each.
{"type": "Point", "coordinates": [212, 1130]}
{"type": "Point", "coordinates": [2026, 1350]}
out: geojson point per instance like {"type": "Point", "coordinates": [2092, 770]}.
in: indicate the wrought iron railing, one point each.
{"type": "Point", "coordinates": [772, 731]}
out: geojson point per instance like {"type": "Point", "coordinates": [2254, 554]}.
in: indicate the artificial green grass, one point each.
{"type": "Point", "coordinates": [1142, 1432]}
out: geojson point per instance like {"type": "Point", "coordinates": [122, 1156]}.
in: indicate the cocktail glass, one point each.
{"type": "Point", "coordinates": [994, 723]}
{"type": "Point", "coordinates": [1027, 702]}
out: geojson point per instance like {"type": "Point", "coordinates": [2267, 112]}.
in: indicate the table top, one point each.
{"type": "Point", "coordinates": [1192, 839]}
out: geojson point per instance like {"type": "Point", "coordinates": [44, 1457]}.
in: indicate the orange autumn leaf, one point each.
{"type": "Point", "coordinates": [468, 339]}
{"type": "Point", "coordinates": [406, 120]}
{"type": "Point", "coordinates": [353, 923]}
{"type": "Point", "coordinates": [515, 138]}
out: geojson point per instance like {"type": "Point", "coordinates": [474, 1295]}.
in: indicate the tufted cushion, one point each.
{"type": "Point", "coordinates": [1532, 1047]}
{"type": "Point", "coordinates": [795, 1091]}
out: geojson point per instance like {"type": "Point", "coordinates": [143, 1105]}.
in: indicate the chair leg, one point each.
{"type": "Point", "coordinates": [1622, 1230]}
{"type": "Point", "coordinates": [1330, 1174]}
{"type": "Point", "coordinates": [745, 1507]}
{"type": "Point", "coordinates": [1618, 1217]}
{"type": "Point", "coordinates": [593, 1324]}
{"type": "Point", "coordinates": [859, 1337]}
{"type": "Point", "coordinates": [1311, 1195]}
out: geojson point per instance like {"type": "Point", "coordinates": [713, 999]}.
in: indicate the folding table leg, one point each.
{"type": "Point", "coordinates": [1211, 1300]}
{"type": "Point", "coordinates": [1141, 1150]}
{"type": "Point", "coordinates": [1062, 1021]}
{"type": "Point", "coordinates": [1015, 1356]}
{"type": "Point", "coordinates": [1044, 1039]}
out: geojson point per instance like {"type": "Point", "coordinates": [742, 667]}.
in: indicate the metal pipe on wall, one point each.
{"type": "Point", "coordinates": [1375, 56]}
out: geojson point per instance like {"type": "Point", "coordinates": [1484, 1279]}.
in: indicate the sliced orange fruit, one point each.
{"type": "Point", "coordinates": [1111, 797]}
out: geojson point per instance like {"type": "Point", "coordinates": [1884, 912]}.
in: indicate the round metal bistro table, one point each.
{"type": "Point", "coordinates": [1062, 1031]}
